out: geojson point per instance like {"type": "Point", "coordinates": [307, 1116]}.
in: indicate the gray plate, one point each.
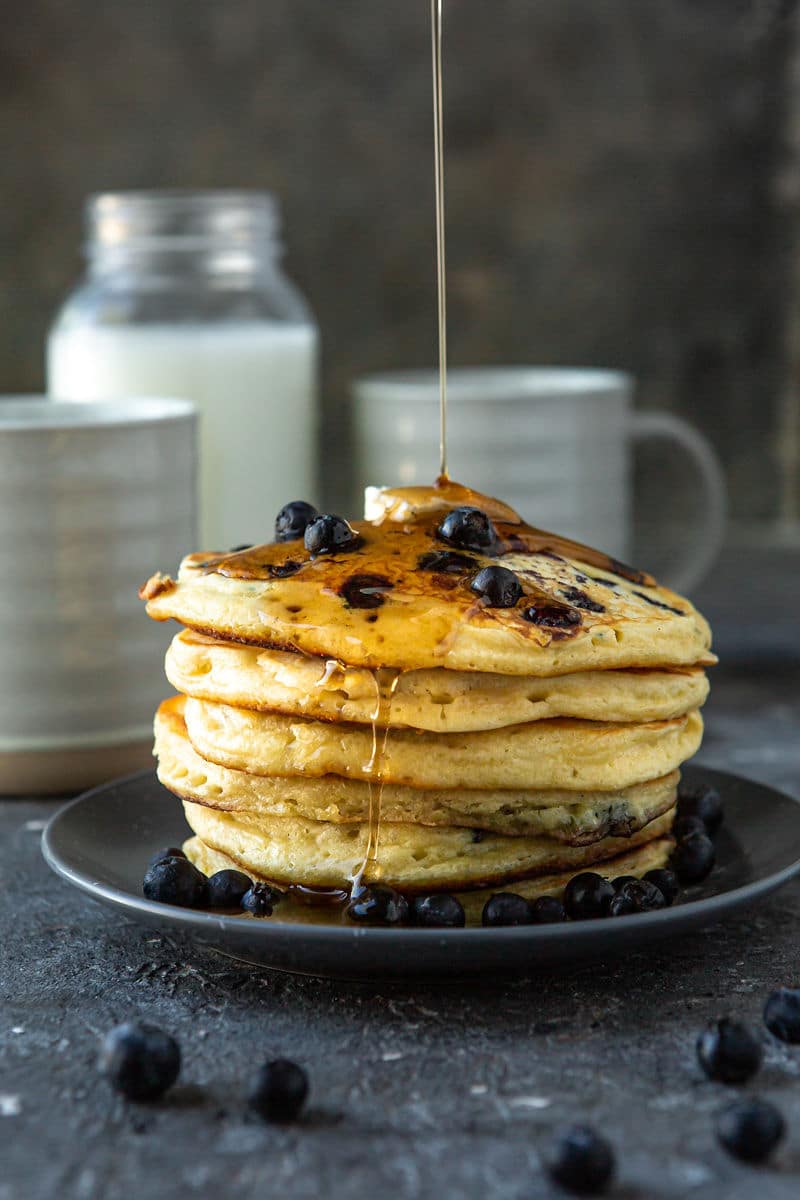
{"type": "Point", "coordinates": [101, 843]}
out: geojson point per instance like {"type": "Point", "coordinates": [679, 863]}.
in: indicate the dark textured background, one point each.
{"type": "Point", "coordinates": [620, 182]}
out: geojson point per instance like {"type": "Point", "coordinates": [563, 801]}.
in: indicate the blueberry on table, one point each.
{"type": "Point", "coordinates": [226, 888]}
{"type": "Point", "coordinates": [728, 1051]}
{"type": "Point", "coordinates": [498, 586]}
{"type": "Point", "coordinates": [279, 1091]}
{"type": "Point", "coordinates": [547, 910]}
{"type": "Point", "coordinates": [701, 801]}
{"type": "Point", "coordinates": [750, 1129]}
{"type": "Point", "coordinates": [140, 1061]}
{"type": "Point", "coordinates": [293, 520]}
{"type": "Point", "coordinates": [581, 1161]}
{"type": "Point", "coordinates": [439, 911]}
{"type": "Point", "coordinates": [638, 896]}
{"type": "Point", "coordinates": [328, 534]}
{"type": "Point", "coordinates": [259, 899]}
{"type": "Point", "coordinates": [666, 881]}
{"type": "Point", "coordinates": [378, 904]}
{"type": "Point", "coordinates": [693, 857]}
{"type": "Point", "coordinates": [587, 896]}
{"type": "Point", "coordinates": [507, 908]}
{"type": "Point", "coordinates": [467, 528]}
{"type": "Point", "coordinates": [167, 852]}
{"type": "Point", "coordinates": [175, 881]}
{"type": "Point", "coordinates": [782, 1014]}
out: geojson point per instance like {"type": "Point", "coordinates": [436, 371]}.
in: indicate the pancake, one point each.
{"type": "Point", "coordinates": [574, 818]}
{"type": "Point", "coordinates": [292, 850]}
{"type": "Point", "coordinates": [436, 700]}
{"type": "Point", "coordinates": [637, 862]}
{"type": "Point", "coordinates": [387, 603]}
{"type": "Point", "coordinates": [574, 755]}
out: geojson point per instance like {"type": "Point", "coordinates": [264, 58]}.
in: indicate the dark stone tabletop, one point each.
{"type": "Point", "coordinates": [417, 1091]}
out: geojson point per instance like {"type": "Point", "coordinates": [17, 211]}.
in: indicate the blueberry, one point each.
{"type": "Point", "coordinates": [750, 1129]}
{"type": "Point", "coordinates": [581, 1161]}
{"type": "Point", "coordinates": [439, 912]}
{"type": "Point", "coordinates": [728, 1051]}
{"type": "Point", "coordinates": [293, 520]}
{"type": "Point", "coordinates": [167, 852]}
{"type": "Point", "coordinates": [683, 826]}
{"type": "Point", "coordinates": [498, 586]}
{"type": "Point", "coordinates": [782, 1014]}
{"type": "Point", "coordinates": [693, 857]}
{"type": "Point", "coordinates": [140, 1061]}
{"type": "Point", "coordinates": [328, 534]}
{"type": "Point", "coordinates": [552, 616]}
{"type": "Point", "coordinates": [175, 881]}
{"type": "Point", "coordinates": [378, 904]}
{"type": "Point", "coordinates": [619, 883]}
{"type": "Point", "coordinates": [259, 900]}
{"type": "Point", "coordinates": [467, 528]}
{"type": "Point", "coordinates": [226, 888]}
{"type": "Point", "coordinates": [365, 591]}
{"type": "Point", "coordinates": [636, 897]}
{"type": "Point", "coordinates": [446, 562]}
{"type": "Point", "coordinates": [507, 908]}
{"type": "Point", "coordinates": [666, 881]}
{"type": "Point", "coordinates": [701, 801]}
{"type": "Point", "coordinates": [547, 910]}
{"type": "Point", "coordinates": [587, 895]}
{"type": "Point", "coordinates": [279, 1091]}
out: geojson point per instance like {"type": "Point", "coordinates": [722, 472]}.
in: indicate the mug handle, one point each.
{"type": "Point", "coordinates": [704, 548]}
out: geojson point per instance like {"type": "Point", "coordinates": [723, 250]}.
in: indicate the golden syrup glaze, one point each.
{"type": "Point", "coordinates": [381, 603]}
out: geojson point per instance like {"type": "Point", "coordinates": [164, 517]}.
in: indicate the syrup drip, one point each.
{"type": "Point", "coordinates": [381, 719]}
{"type": "Point", "coordinates": [441, 282]}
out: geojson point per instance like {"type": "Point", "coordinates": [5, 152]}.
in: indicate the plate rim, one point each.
{"type": "Point", "coordinates": [198, 920]}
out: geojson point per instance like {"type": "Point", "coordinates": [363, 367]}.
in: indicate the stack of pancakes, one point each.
{"type": "Point", "coordinates": [363, 715]}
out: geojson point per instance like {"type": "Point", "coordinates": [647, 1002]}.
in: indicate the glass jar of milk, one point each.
{"type": "Point", "coordinates": [184, 296]}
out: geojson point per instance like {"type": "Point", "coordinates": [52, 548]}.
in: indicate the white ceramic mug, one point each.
{"type": "Point", "coordinates": [93, 499]}
{"type": "Point", "coordinates": [554, 443]}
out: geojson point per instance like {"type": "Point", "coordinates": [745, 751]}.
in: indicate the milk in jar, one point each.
{"type": "Point", "coordinates": [184, 296]}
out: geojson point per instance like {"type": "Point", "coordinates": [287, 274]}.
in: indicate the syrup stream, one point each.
{"type": "Point", "coordinates": [381, 719]}
{"type": "Point", "coordinates": [441, 281]}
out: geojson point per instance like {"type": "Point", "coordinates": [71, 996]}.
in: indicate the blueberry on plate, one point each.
{"type": "Point", "coordinates": [581, 1161]}
{"type": "Point", "coordinates": [498, 586]}
{"type": "Point", "coordinates": [587, 896]}
{"type": "Point", "coordinates": [279, 1091]}
{"type": "Point", "coordinates": [167, 852]}
{"type": "Point", "coordinates": [638, 896]}
{"type": "Point", "coordinates": [665, 880]}
{"type": "Point", "coordinates": [507, 908]}
{"type": "Point", "coordinates": [226, 888]}
{"type": "Point", "coordinates": [378, 904]}
{"type": "Point", "coordinates": [293, 520]}
{"type": "Point", "coordinates": [728, 1051]}
{"type": "Point", "coordinates": [782, 1014]}
{"type": "Point", "coordinates": [329, 534]}
{"type": "Point", "coordinates": [259, 899]}
{"type": "Point", "coordinates": [175, 881]}
{"type": "Point", "coordinates": [467, 528]}
{"type": "Point", "coordinates": [683, 826]}
{"type": "Point", "coordinates": [693, 857]}
{"type": "Point", "coordinates": [750, 1129]}
{"type": "Point", "coordinates": [140, 1061]}
{"type": "Point", "coordinates": [619, 883]}
{"type": "Point", "coordinates": [703, 801]}
{"type": "Point", "coordinates": [547, 910]}
{"type": "Point", "coordinates": [439, 911]}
